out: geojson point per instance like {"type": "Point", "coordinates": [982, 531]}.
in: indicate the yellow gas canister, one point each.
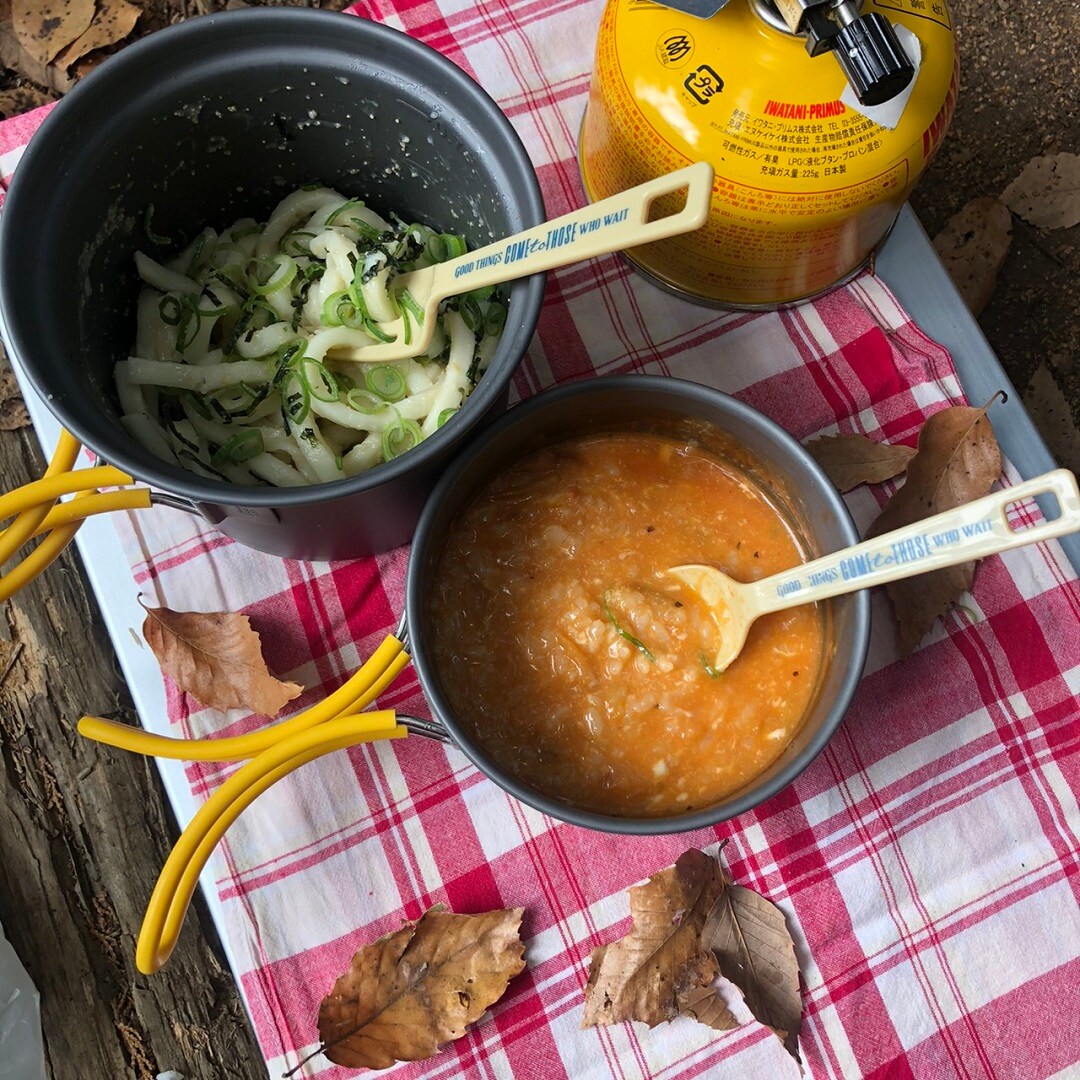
{"type": "Point", "coordinates": [818, 117]}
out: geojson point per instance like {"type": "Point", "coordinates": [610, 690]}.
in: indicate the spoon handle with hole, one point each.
{"type": "Point", "coordinates": [968, 532]}
{"type": "Point", "coordinates": [612, 224]}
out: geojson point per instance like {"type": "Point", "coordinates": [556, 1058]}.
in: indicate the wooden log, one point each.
{"type": "Point", "coordinates": [83, 833]}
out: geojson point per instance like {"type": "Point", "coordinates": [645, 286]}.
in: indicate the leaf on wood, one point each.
{"type": "Point", "coordinates": [749, 937]}
{"type": "Point", "coordinates": [22, 99]}
{"type": "Point", "coordinates": [958, 460]}
{"type": "Point", "coordinates": [419, 987]}
{"type": "Point", "coordinates": [1047, 403]}
{"type": "Point", "coordinates": [973, 246]}
{"type": "Point", "coordinates": [851, 460]}
{"type": "Point", "coordinates": [13, 414]}
{"type": "Point", "coordinates": [1047, 192]}
{"type": "Point", "coordinates": [660, 967]}
{"type": "Point", "coordinates": [216, 657]}
{"type": "Point", "coordinates": [115, 19]}
{"type": "Point", "coordinates": [44, 27]}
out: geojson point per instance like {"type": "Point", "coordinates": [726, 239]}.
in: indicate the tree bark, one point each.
{"type": "Point", "coordinates": [83, 833]}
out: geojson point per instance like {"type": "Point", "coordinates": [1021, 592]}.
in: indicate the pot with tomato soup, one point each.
{"type": "Point", "coordinates": [566, 661]}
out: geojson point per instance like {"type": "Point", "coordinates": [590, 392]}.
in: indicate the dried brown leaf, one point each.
{"type": "Point", "coordinates": [660, 964]}
{"type": "Point", "coordinates": [973, 246]}
{"type": "Point", "coordinates": [22, 99]}
{"type": "Point", "coordinates": [216, 657]}
{"type": "Point", "coordinates": [749, 937]}
{"type": "Point", "coordinates": [13, 414]}
{"type": "Point", "coordinates": [958, 460]}
{"type": "Point", "coordinates": [1048, 404]}
{"type": "Point", "coordinates": [851, 460]}
{"type": "Point", "coordinates": [44, 27]}
{"type": "Point", "coordinates": [419, 987]}
{"type": "Point", "coordinates": [115, 19]}
{"type": "Point", "coordinates": [1047, 191]}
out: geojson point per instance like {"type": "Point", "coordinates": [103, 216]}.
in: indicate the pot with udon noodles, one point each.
{"type": "Point", "coordinates": [219, 211]}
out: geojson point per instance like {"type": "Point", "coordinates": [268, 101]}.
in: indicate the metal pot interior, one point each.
{"type": "Point", "coordinates": [661, 404]}
{"type": "Point", "coordinates": [219, 118]}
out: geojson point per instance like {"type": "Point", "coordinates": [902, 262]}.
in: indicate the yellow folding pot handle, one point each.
{"type": "Point", "coordinates": [91, 503]}
{"type": "Point", "coordinates": [42, 557]}
{"type": "Point", "coordinates": [24, 526]}
{"type": "Point", "coordinates": [380, 670]}
{"type": "Point", "coordinates": [180, 874]}
{"type": "Point", "coordinates": [49, 488]}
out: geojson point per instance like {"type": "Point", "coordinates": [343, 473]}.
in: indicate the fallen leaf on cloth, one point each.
{"type": "Point", "coordinates": [1047, 192]}
{"type": "Point", "coordinates": [44, 27]}
{"type": "Point", "coordinates": [851, 460]}
{"type": "Point", "coordinates": [419, 987]}
{"type": "Point", "coordinates": [115, 19]}
{"type": "Point", "coordinates": [958, 460]}
{"type": "Point", "coordinates": [691, 925]}
{"type": "Point", "coordinates": [657, 969]}
{"type": "Point", "coordinates": [216, 657]}
{"type": "Point", "coordinates": [973, 246]}
{"type": "Point", "coordinates": [749, 937]}
{"type": "Point", "coordinates": [13, 414]}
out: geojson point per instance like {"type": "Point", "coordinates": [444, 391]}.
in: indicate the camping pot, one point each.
{"type": "Point", "coordinates": [621, 403]}
{"type": "Point", "coordinates": [218, 118]}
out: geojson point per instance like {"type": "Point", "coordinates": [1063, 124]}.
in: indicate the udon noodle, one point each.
{"type": "Point", "coordinates": [249, 364]}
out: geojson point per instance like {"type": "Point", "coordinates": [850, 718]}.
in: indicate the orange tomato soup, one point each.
{"type": "Point", "coordinates": [579, 666]}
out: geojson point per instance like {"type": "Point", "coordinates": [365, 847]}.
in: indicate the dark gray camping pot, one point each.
{"type": "Point", "coordinates": [218, 118]}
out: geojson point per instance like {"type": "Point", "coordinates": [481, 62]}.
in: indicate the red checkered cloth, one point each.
{"type": "Point", "coordinates": [927, 861]}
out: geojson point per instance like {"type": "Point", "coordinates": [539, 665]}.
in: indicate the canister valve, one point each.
{"type": "Point", "coordinates": [865, 46]}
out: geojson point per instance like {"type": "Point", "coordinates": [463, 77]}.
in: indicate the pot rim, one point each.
{"type": "Point", "coordinates": [18, 331]}
{"type": "Point", "coordinates": [425, 667]}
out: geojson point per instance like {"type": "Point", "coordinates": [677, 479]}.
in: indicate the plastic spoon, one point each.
{"type": "Point", "coordinates": [969, 532]}
{"type": "Point", "coordinates": [612, 224]}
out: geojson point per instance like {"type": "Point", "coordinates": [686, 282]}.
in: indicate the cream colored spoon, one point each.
{"type": "Point", "coordinates": [969, 532]}
{"type": "Point", "coordinates": [613, 224]}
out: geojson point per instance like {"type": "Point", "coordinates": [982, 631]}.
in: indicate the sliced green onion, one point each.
{"type": "Point", "coordinates": [406, 326]}
{"type": "Point", "coordinates": [313, 186]}
{"type": "Point", "coordinates": [399, 437]}
{"type": "Point", "coordinates": [494, 320]}
{"type": "Point", "coordinates": [287, 355]}
{"type": "Point", "coordinates": [470, 312]}
{"type": "Point", "coordinates": [347, 205]}
{"type": "Point", "coordinates": [411, 306]}
{"type": "Point", "coordinates": [153, 237]}
{"type": "Point", "coordinates": [385, 382]}
{"type": "Point", "coordinates": [272, 275]}
{"type": "Point", "coordinates": [444, 246]}
{"type": "Point", "coordinates": [291, 244]}
{"type": "Point", "coordinates": [368, 232]}
{"type": "Point", "coordinates": [363, 402]}
{"type": "Point", "coordinates": [242, 446]}
{"type": "Point", "coordinates": [329, 315]}
{"type": "Point", "coordinates": [709, 669]}
{"type": "Point", "coordinates": [170, 309]}
{"type": "Point", "coordinates": [197, 403]}
{"type": "Point", "coordinates": [625, 634]}
{"type": "Point", "coordinates": [371, 327]}
{"type": "Point", "coordinates": [323, 373]}
{"type": "Point", "coordinates": [296, 406]}
{"type": "Point", "coordinates": [444, 416]}
{"type": "Point", "coordinates": [196, 254]}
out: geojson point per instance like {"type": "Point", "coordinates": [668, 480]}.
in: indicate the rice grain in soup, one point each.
{"type": "Point", "coordinates": [579, 666]}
